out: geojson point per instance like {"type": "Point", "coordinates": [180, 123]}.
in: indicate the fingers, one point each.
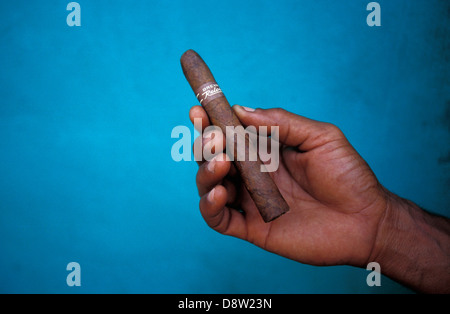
{"type": "Point", "coordinates": [211, 173]}
{"type": "Point", "coordinates": [211, 140]}
{"type": "Point", "coordinates": [294, 130]}
{"type": "Point", "coordinates": [199, 118]}
{"type": "Point", "coordinates": [219, 217]}
{"type": "Point", "coordinates": [214, 164]}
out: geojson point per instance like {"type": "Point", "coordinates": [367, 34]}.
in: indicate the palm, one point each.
{"type": "Point", "coordinates": [330, 191]}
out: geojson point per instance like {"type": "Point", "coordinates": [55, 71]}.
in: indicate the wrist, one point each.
{"type": "Point", "coordinates": [412, 246]}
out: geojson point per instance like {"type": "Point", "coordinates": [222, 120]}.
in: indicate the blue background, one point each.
{"type": "Point", "coordinates": [86, 115]}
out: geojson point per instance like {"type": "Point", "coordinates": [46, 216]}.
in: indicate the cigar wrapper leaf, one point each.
{"type": "Point", "coordinates": [260, 185]}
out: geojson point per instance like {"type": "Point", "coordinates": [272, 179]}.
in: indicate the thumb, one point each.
{"type": "Point", "coordinates": [294, 130]}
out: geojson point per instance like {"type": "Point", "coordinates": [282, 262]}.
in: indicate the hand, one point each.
{"type": "Point", "coordinates": [336, 202]}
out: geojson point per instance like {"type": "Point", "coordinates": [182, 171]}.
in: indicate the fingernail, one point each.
{"type": "Point", "coordinates": [238, 107]}
{"type": "Point", "coordinates": [248, 109]}
{"type": "Point", "coordinates": [211, 165]}
{"type": "Point", "coordinates": [210, 196]}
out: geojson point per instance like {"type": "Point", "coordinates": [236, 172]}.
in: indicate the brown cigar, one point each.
{"type": "Point", "coordinates": [260, 185]}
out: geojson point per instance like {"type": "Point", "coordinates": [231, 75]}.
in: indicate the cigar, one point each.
{"type": "Point", "coordinates": [259, 184]}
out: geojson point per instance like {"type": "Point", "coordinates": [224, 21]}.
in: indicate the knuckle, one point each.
{"type": "Point", "coordinates": [333, 130]}
{"type": "Point", "coordinates": [278, 112]}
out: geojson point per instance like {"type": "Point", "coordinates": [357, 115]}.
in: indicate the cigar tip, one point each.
{"type": "Point", "coordinates": [188, 55]}
{"type": "Point", "coordinates": [187, 59]}
{"type": "Point", "coordinates": [194, 68]}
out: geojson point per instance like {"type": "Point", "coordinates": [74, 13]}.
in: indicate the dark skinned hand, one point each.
{"type": "Point", "coordinates": [336, 202]}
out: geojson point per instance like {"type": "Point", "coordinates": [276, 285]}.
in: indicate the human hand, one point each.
{"type": "Point", "coordinates": [336, 202]}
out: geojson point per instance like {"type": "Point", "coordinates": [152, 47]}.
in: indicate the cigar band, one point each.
{"type": "Point", "coordinates": [207, 92]}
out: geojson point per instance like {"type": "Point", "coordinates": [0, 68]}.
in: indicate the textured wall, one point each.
{"type": "Point", "coordinates": [86, 115]}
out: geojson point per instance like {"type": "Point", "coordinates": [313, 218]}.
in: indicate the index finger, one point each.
{"type": "Point", "coordinates": [197, 112]}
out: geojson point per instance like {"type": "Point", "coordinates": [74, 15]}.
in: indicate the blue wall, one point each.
{"type": "Point", "coordinates": [86, 115]}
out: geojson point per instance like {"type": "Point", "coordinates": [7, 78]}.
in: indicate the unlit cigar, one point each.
{"type": "Point", "coordinates": [260, 185]}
